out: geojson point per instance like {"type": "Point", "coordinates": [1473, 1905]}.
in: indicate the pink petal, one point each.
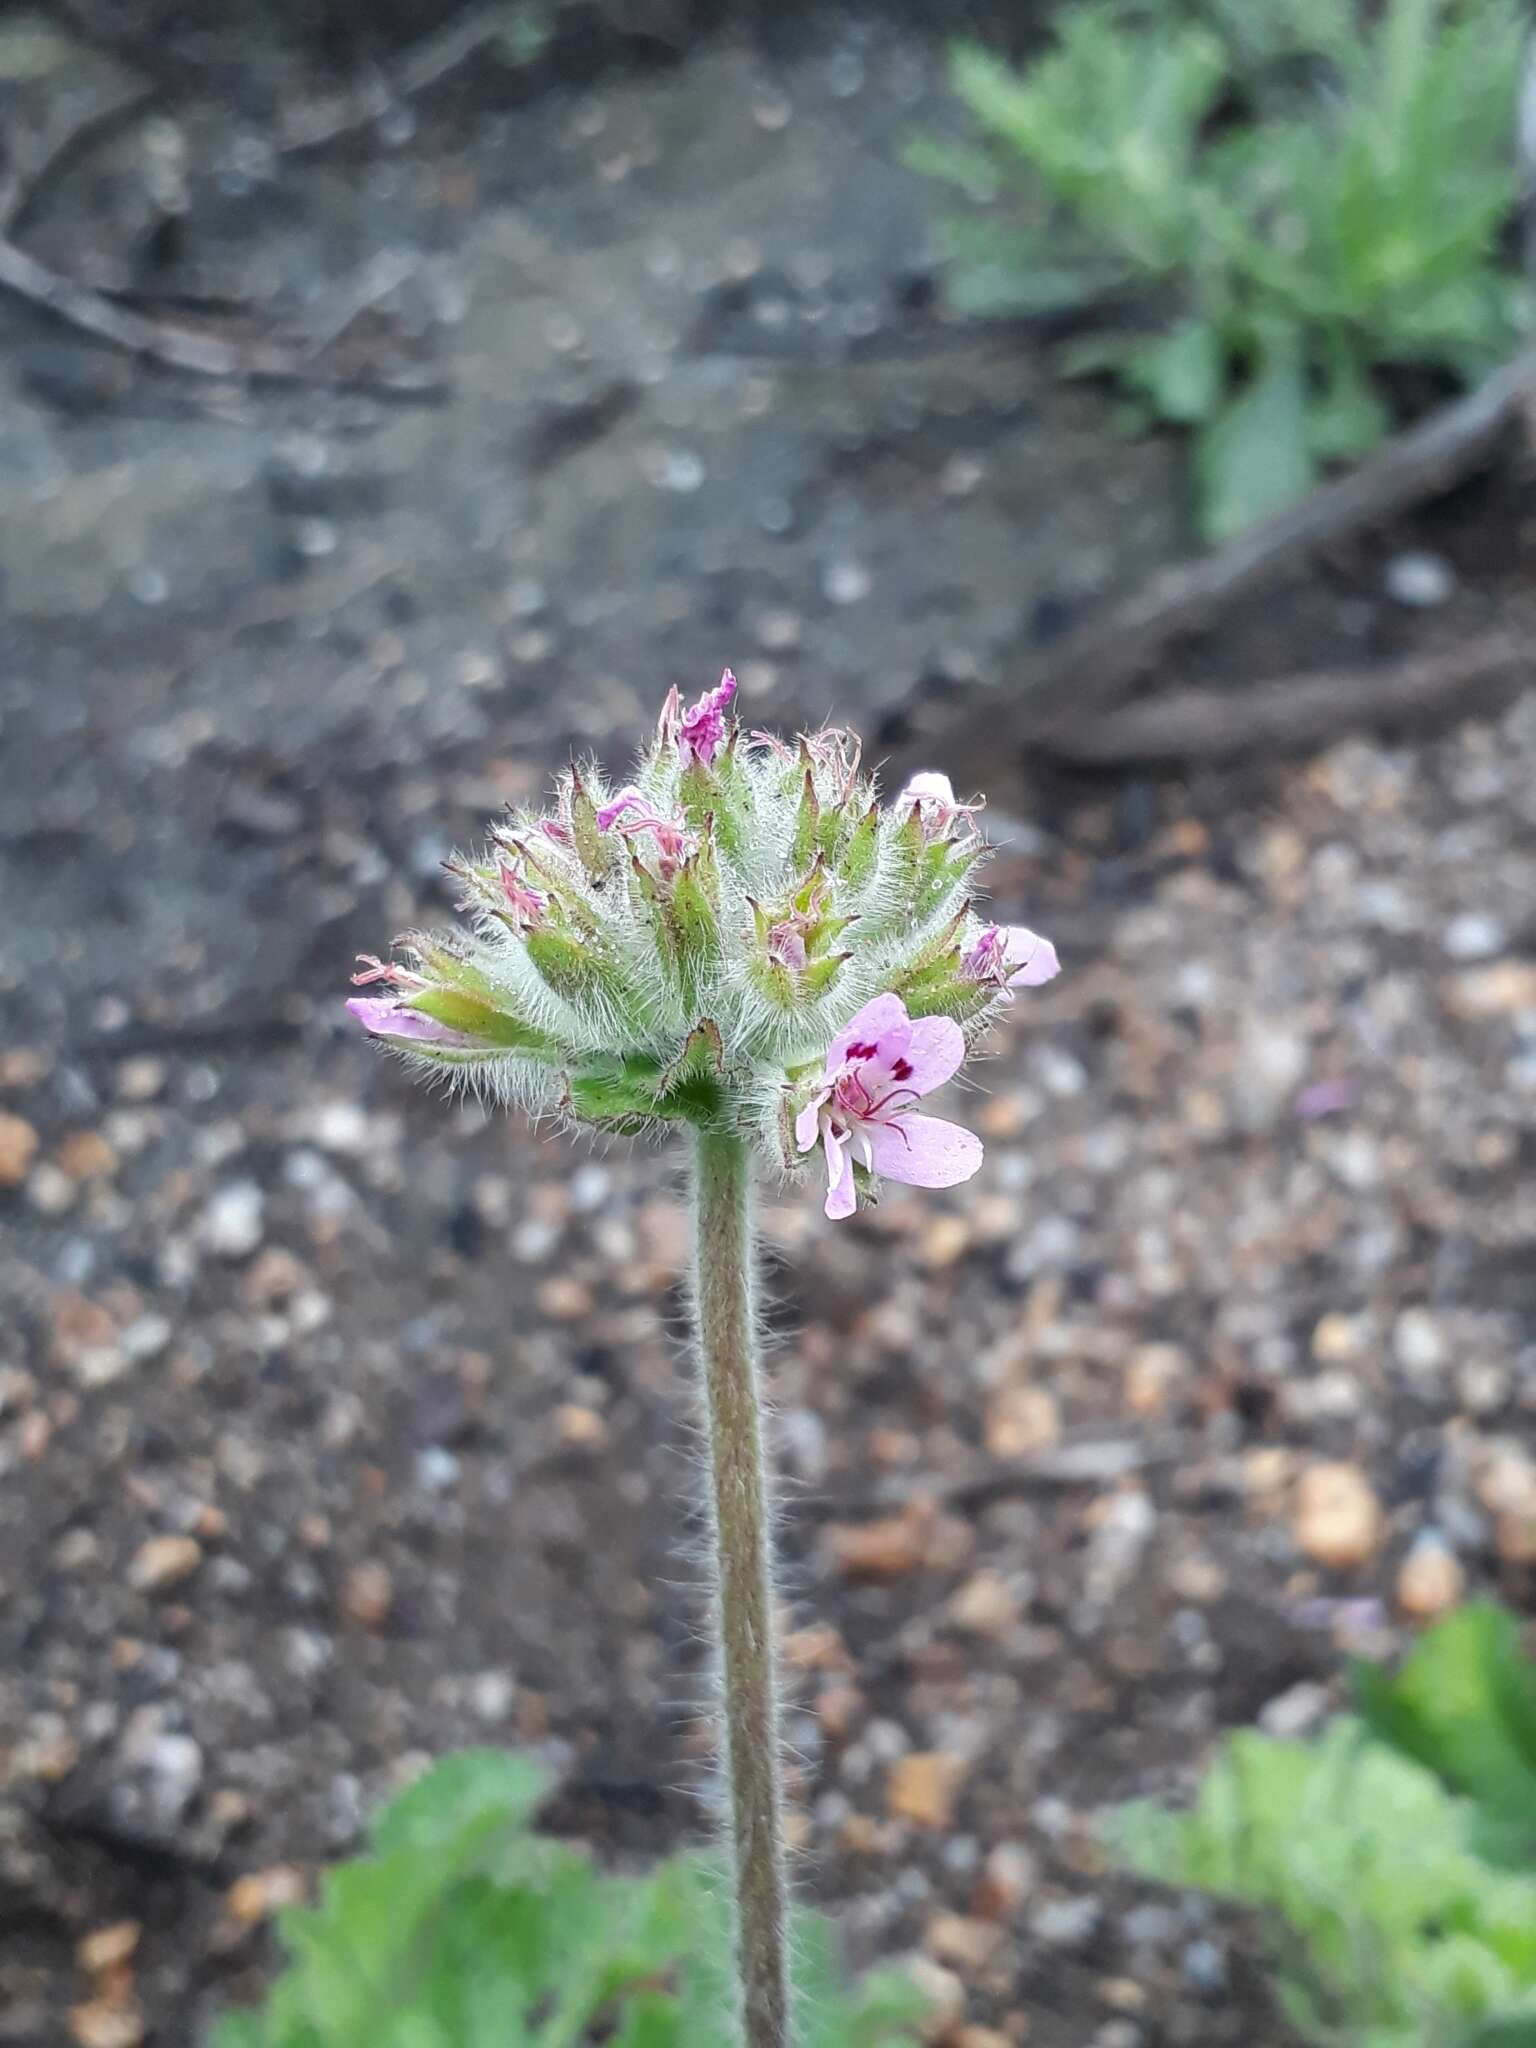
{"type": "Point", "coordinates": [934, 1053]}
{"type": "Point", "coordinates": [928, 787]}
{"type": "Point", "coordinates": [627, 799]}
{"type": "Point", "coordinates": [806, 1122]}
{"type": "Point", "coordinates": [1031, 960]}
{"type": "Point", "coordinates": [386, 1019]}
{"type": "Point", "coordinates": [925, 1151]}
{"type": "Point", "coordinates": [882, 1022]}
{"type": "Point", "coordinates": [842, 1198]}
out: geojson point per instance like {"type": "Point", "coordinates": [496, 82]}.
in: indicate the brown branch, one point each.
{"type": "Point", "coordinates": [25, 176]}
{"type": "Point", "coordinates": [320, 121]}
{"type": "Point", "coordinates": [1059, 689]}
{"type": "Point", "coordinates": [188, 349]}
{"type": "Point", "coordinates": [185, 348]}
{"type": "Point", "coordinates": [1293, 711]}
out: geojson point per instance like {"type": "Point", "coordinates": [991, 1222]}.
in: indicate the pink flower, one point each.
{"type": "Point", "coordinates": [937, 808]}
{"type": "Point", "coordinates": [786, 941]}
{"type": "Point", "coordinates": [700, 733]}
{"type": "Point", "coordinates": [839, 751]}
{"type": "Point", "coordinates": [674, 842]}
{"type": "Point", "coordinates": [1010, 956]}
{"type": "Point", "coordinates": [878, 1067]}
{"type": "Point", "coordinates": [527, 905]}
{"type": "Point", "coordinates": [375, 969]}
{"type": "Point", "coordinates": [390, 1021]}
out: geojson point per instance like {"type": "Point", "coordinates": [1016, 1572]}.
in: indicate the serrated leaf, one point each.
{"type": "Point", "coordinates": [469, 1789]}
{"type": "Point", "coordinates": [1464, 1705]}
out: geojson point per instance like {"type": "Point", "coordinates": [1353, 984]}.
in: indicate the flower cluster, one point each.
{"type": "Point", "coordinates": [744, 936]}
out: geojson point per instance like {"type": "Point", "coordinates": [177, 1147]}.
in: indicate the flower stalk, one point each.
{"type": "Point", "coordinates": [746, 940]}
{"type": "Point", "coordinates": [724, 1254]}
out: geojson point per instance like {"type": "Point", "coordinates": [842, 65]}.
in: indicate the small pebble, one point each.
{"type": "Point", "coordinates": [1417, 1343]}
{"type": "Point", "coordinates": [942, 1993]}
{"type": "Point", "coordinates": [923, 1786]}
{"type": "Point", "coordinates": [1419, 579]}
{"type": "Point", "coordinates": [232, 1221]}
{"type": "Point", "coordinates": [1022, 1421]}
{"type": "Point", "coordinates": [106, 2023]}
{"type": "Point", "coordinates": [1066, 1923]}
{"type": "Point", "coordinates": [1338, 1519]}
{"type": "Point", "coordinates": [368, 1593]}
{"type": "Point", "coordinates": [108, 1948]}
{"type": "Point", "coordinates": [986, 1605]}
{"type": "Point", "coordinates": [1430, 1580]}
{"type": "Point", "coordinates": [163, 1562]}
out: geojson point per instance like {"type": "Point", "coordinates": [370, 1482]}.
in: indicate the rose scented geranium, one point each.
{"type": "Point", "coordinates": [746, 941]}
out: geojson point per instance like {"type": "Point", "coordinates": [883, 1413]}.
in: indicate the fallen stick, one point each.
{"type": "Point", "coordinates": [1060, 688]}
{"type": "Point", "coordinates": [187, 349]}
{"type": "Point", "coordinates": [320, 121]}
{"type": "Point", "coordinates": [23, 179]}
{"type": "Point", "coordinates": [184, 348]}
{"type": "Point", "coordinates": [1292, 711]}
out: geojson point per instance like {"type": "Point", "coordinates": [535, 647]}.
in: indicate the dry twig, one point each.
{"type": "Point", "coordinates": [1053, 697]}
{"type": "Point", "coordinates": [192, 350]}
{"type": "Point", "coordinates": [423, 65]}
{"type": "Point", "coordinates": [1302, 710]}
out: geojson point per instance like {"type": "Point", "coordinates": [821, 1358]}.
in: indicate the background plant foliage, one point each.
{"type": "Point", "coordinates": [1395, 1857]}
{"type": "Point", "coordinates": [1312, 195]}
{"type": "Point", "coordinates": [461, 1928]}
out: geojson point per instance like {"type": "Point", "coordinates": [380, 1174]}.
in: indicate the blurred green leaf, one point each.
{"type": "Point", "coordinates": [1388, 1926]}
{"type": "Point", "coordinates": [1253, 459]}
{"type": "Point", "coordinates": [973, 170]}
{"type": "Point", "coordinates": [1182, 373]}
{"type": "Point", "coordinates": [1346, 416]}
{"type": "Point", "coordinates": [463, 1929]}
{"type": "Point", "coordinates": [1340, 173]}
{"type": "Point", "coordinates": [1464, 1706]}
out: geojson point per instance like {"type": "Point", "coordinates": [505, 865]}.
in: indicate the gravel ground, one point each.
{"type": "Point", "coordinates": [337, 1427]}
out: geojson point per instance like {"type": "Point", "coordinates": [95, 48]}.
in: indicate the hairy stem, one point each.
{"type": "Point", "coordinates": [723, 1291]}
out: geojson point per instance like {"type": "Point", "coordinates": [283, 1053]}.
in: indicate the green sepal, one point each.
{"type": "Point", "coordinates": [808, 818]}
{"type": "Point", "coordinates": [624, 1096]}
{"type": "Point", "coordinates": [438, 964]}
{"type": "Point", "coordinates": [617, 1095]}
{"type": "Point", "coordinates": [817, 976]}
{"type": "Point", "coordinates": [945, 996]}
{"type": "Point", "coordinates": [702, 1058]}
{"type": "Point", "coordinates": [714, 800]}
{"type": "Point", "coordinates": [567, 901]}
{"type": "Point", "coordinates": [940, 871]}
{"type": "Point", "coordinates": [482, 1020]}
{"type": "Point", "coordinates": [943, 949]}
{"type": "Point", "coordinates": [833, 832]}
{"type": "Point", "coordinates": [695, 895]}
{"type": "Point", "coordinates": [564, 964]}
{"type": "Point", "coordinates": [596, 850]}
{"type": "Point", "coordinates": [698, 794]}
{"type": "Point", "coordinates": [653, 894]}
{"type": "Point", "coordinates": [857, 862]}
{"type": "Point", "coordinates": [773, 981]}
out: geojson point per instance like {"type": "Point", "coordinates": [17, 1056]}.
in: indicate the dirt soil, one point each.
{"type": "Point", "coordinates": [337, 1428]}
